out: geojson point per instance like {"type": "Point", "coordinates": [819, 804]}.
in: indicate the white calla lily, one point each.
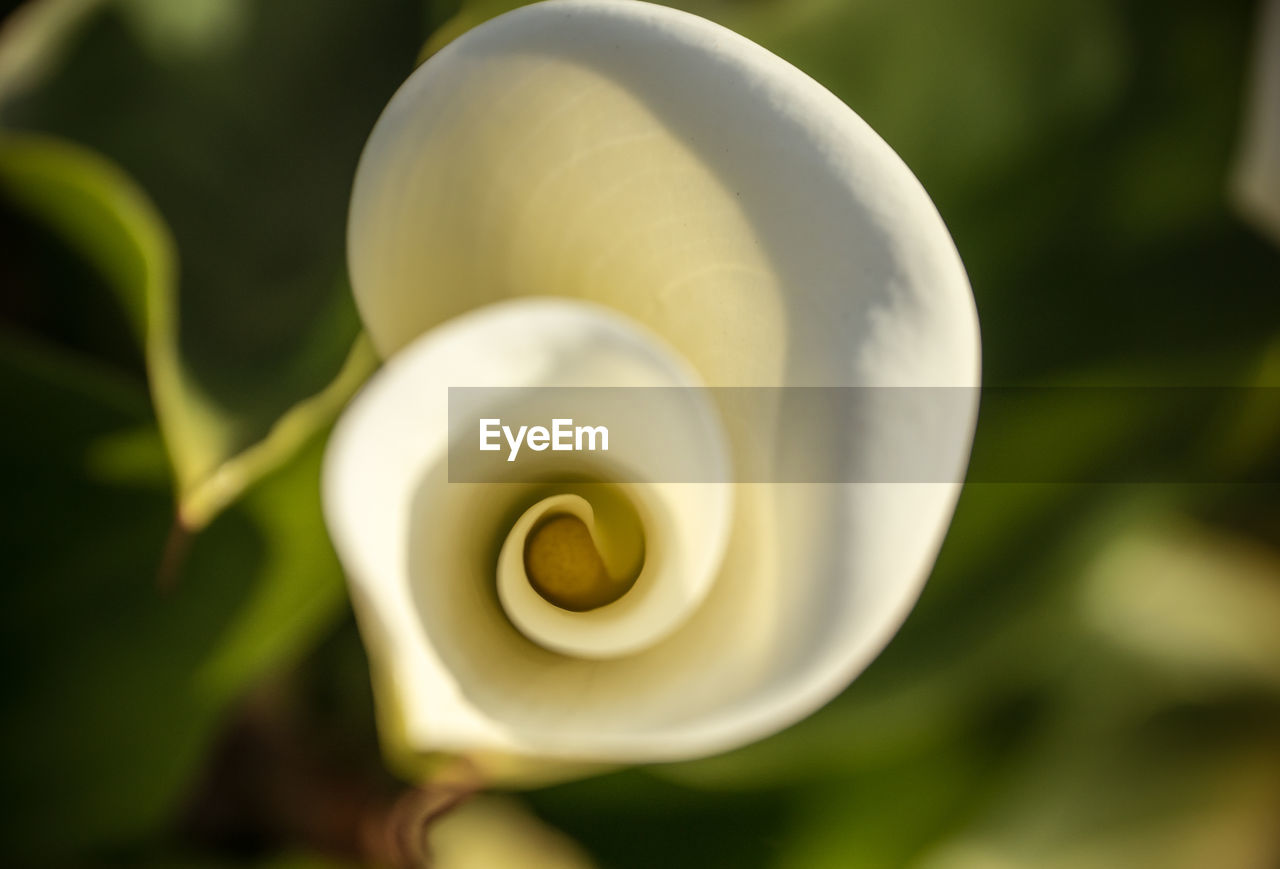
{"type": "Point", "coordinates": [706, 214]}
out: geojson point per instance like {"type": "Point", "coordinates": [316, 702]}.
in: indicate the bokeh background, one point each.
{"type": "Point", "coordinates": [1091, 679]}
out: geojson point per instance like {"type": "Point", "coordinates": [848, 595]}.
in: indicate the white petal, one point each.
{"type": "Point", "coordinates": [389, 461]}
{"type": "Point", "coordinates": [419, 549]}
{"type": "Point", "coordinates": [653, 162]}
{"type": "Point", "coordinates": [1256, 182]}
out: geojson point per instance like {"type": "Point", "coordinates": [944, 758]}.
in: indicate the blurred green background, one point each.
{"type": "Point", "coordinates": [1092, 677]}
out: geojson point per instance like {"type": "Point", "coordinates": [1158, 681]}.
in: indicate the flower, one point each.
{"type": "Point", "coordinates": [595, 192]}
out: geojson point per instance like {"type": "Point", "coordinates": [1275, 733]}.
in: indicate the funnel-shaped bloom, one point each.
{"type": "Point", "coordinates": [619, 194]}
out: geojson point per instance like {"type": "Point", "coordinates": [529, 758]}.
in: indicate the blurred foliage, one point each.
{"type": "Point", "coordinates": [1090, 678]}
{"type": "Point", "coordinates": [116, 688]}
{"type": "Point", "coordinates": [122, 685]}
{"type": "Point", "coordinates": [247, 188]}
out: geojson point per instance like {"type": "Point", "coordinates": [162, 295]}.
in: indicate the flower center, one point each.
{"type": "Point", "coordinates": [564, 566]}
{"type": "Point", "coordinates": [583, 546]}
{"type": "Point", "coordinates": [577, 572]}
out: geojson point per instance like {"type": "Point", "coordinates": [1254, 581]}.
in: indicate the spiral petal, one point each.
{"type": "Point", "coordinates": [653, 163]}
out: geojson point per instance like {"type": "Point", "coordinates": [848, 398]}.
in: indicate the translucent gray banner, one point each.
{"type": "Point", "coordinates": [861, 434]}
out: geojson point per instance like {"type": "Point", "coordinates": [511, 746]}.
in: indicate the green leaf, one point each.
{"type": "Point", "coordinates": [299, 591]}
{"type": "Point", "coordinates": [245, 139]}
{"type": "Point", "coordinates": [884, 818]}
{"type": "Point", "coordinates": [100, 213]}
{"type": "Point", "coordinates": [114, 689]}
{"type": "Point", "coordinates": [98, 730]}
